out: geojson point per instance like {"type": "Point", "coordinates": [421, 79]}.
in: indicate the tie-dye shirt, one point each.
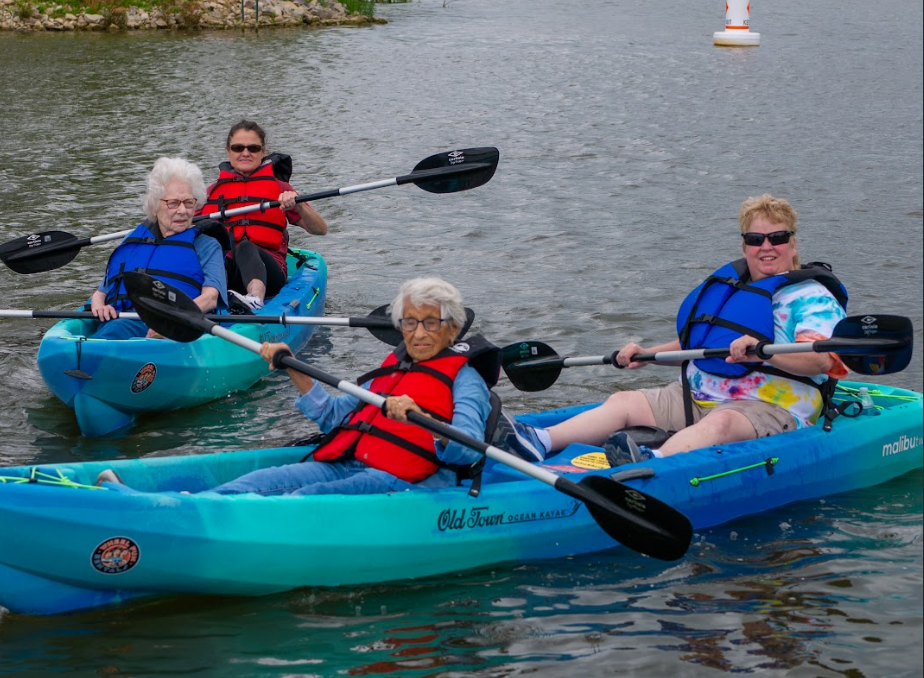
{"type": "Point", "coordinates": [806, 311]}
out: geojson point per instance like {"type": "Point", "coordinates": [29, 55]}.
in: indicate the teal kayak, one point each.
{"type": "Point", "coordinates": [68, 545]}
{"type": "Point", "coordinates": [110, 382]}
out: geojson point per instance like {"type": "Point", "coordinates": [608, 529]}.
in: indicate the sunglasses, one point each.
{"type": "Point", "coordinates": [239, 148]}
{"type": "Point", "coordinates": [775, 238]}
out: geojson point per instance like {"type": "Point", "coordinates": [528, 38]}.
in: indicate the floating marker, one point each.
{"type": "Point", "coordinates": [737, 31]}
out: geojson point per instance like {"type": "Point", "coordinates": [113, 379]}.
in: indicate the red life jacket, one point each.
{"type": "Point", "coordinates": [264, 228]}
{"type": "Point", "coordinates": [403, 449]}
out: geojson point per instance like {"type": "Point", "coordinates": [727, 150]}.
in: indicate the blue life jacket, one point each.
{"type": "Point", "coordinates": [172, 260]}
{"type": "Point", "coordinates": [728, 304]}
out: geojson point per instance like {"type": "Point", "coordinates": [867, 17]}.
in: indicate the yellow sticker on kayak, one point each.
{"type": "Point", "coordinates": [591, 460]}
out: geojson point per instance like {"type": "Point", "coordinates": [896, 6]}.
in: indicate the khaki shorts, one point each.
{"type": "Point", "coordinates": [667, 405]}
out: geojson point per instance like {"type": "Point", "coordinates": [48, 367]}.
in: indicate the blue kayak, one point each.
{"type": "Point", "coordinates": [110, 382]}
{"type": "Point", "coordinates": [66, 544]}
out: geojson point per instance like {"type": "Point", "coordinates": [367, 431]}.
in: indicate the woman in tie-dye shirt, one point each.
{"type": "Point", "coordinates": [806, 311]}
{"type": "Point", "coordinates": [760, 402]}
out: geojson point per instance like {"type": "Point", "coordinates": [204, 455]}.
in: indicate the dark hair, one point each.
{"type": "Point", "coordinates": [247, 126]}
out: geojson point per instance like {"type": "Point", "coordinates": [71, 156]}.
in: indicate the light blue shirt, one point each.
{"type": "Point", "coordinates": [212, 260]}
{"type": "Point", "coordinates": [471, 407]}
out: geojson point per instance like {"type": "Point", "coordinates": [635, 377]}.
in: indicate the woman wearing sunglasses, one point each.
{"type": "Point", "coordinates": [257, 262]}
{"type": "Point", "coordinates": [767, 296]}
{"type": "Point", "coordinates": [165, 247]}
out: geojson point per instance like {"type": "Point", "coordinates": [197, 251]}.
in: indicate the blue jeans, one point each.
{"type": "Point", "coordinates": [121, 328]}
{"type": "Point", "coordinates": [315, 477]}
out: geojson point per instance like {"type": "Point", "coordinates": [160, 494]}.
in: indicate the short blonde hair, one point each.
{"type": "Point", "coordinates": [775, 210]}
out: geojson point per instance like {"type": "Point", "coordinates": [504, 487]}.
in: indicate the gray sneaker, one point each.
{"type": "Point", "coordinates": [621, 449]}
{"type": "Point", "coordinates": [519, 439]}
{"type": "Point", "coordinates": [108, 476]}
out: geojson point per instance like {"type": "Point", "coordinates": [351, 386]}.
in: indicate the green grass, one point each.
{"type": "Point", "coordinates": [23, 8]}
{"type": "Point", "coordinates": [364, 7]}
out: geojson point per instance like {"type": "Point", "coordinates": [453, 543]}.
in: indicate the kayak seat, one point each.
{"type": "Point", "coordinates": [490, 426]}
{"type": "Point", "coordinates": [300, 259]}
{"type": "Point", "coordinates": [216, 229]}
{"type": "Point", "coordinates": [475, 472]}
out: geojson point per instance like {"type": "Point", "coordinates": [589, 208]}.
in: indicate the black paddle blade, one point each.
{"type": "Point", "coordinates": [531, 365]}
{"type": "Point", "coordinates": [165, 309]}
{"type": "Point", "coordinates": [896, 334]}
{"type": "Point", "coordinates": [631, 517]}
{"type": "Point", "coordinates": [486, 157]}
{"type": "Point", "coordinates": [389, 334]}
{"type": "Point", "coordinates": [40, 252]}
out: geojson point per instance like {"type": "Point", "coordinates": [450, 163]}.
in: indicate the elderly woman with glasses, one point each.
{"type": "Point", "coordinates": [767, 296]}
{"type": "Point", "coordinates": [368, 451]}
{"type": "Point", "coordinates": [257, 262]}
{"type": "Point", "coordinates": [165, 247]}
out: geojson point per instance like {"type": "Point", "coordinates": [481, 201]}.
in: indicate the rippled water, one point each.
{"type": "Point", "coordinates": [627, 144]}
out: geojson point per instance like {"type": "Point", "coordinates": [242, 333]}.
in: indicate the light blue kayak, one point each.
{"type": "Point", "coordinates": [110, 382]}
{"type": "Point", "coordinates": [67, 545]}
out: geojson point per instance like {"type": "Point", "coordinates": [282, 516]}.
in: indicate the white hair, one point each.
{"type": "Point", "coordinates": [430, 292]}
{"type": "Point", "coordinates": [164, 171]}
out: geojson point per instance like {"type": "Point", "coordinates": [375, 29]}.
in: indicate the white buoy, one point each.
{"type": "Point", "coordinates": [737, 31]}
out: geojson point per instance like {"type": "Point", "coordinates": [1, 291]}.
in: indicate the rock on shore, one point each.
{"type": "Point", "coordinates": [24, 15]}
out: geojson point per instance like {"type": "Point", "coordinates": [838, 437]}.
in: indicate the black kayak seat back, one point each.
{"type": "Point", "coordinates": [649, 436]}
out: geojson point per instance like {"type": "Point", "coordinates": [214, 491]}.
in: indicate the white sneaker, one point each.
{"type": "Point", "coordinates": [251, 301]}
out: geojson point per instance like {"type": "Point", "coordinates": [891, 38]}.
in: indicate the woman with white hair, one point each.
{"type": "Point", "coordinates": [166, 247]}
{"type": "Point", "coordinates": [368, 451]}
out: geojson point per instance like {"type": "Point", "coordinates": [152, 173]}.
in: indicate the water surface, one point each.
{"type": "Point", "coordinates": [627, 143]}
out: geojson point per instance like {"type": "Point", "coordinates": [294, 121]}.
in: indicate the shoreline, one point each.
{"type": "Point", "coordinates": [190, 15]}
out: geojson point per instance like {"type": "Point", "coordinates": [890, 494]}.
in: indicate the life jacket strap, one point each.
{"type": "Point", "coordinates": [366, 428]}
{"type": "Point", "coordinates": [405, 366]}
{"type": "Point", "coordinates": [727, 324]}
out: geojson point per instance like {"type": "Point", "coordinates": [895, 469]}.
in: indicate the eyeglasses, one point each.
{"type": "Point", "coordinates": [253, 148]}
{"type": "Point", "coordinates": [429, 324]}
{"type": "Point", "coordinates": [775, 238]}
{"type": "Point", "coordinates": [175, 204]}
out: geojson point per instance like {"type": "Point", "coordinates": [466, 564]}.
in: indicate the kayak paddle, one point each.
{"type": "Point", "coordinates": [448, 172]}
{"type": "Point", "coordinates": [631, 517]}
{"type": "Point", "coordinates": [867, 344]}
{"type": "Point", "coordinates": [378, 322]}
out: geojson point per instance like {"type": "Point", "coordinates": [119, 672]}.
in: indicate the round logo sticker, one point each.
{"type": "Point", "coordinates": [144, 378]}
{"type": "Point", "coordinates": [115, 556]}
{"type": "Point", "coordinates": [591, 460]}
